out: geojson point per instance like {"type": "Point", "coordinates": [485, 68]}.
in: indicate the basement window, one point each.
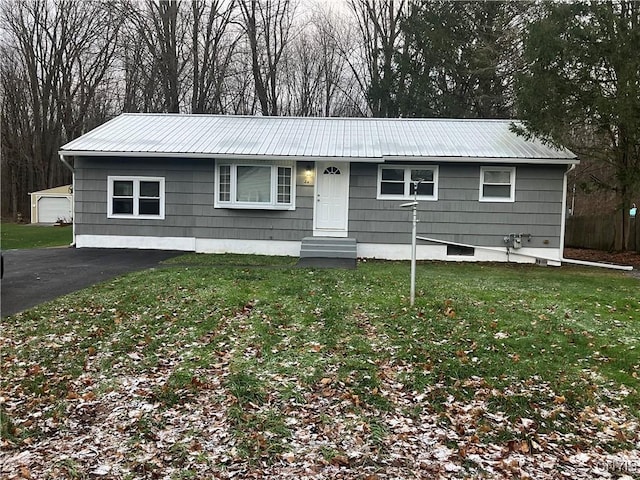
{"type": "Point", "coordinates": [135, 197]}
{"type": "Point", "coordinates": [255, 186]}
{"type": "Point", "coordinates": [460, 251]}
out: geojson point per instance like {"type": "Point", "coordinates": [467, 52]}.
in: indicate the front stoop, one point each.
{"type": "Point", "coordinates": [328, 252]}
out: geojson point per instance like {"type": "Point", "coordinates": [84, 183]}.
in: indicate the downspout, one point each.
{"type": "Point", "coordinates": [73, 201]}
{"type": "Point", "coordinates": [563, 221]}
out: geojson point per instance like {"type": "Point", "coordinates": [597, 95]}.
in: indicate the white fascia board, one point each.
{"type": "Point", "coordinates": [226, 156]}
{"type": "Point", "coordinates": [493, 160]}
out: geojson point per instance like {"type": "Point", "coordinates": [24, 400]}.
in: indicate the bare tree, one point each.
{"type": "Point", "coordinates": [315, 77]}
{"type": "Point", "coordinates": [341, 92]}
{"type": "Point", "coordinates": [213, 45]}
{"type": "Point", "coordinates": [379, 23]}
{"type": "Point", "coordinates": [17, 140]}
{"type": "Point", "coordinates": [61, 52]}
{"type": "Point", "coordinates": [267, 25]}
{"type": "Point", "coordinates": [141, 89]}
{"type": "Point", "coordinates": [240, 97]}
{"type": "Point", "coordinates": [163, 29]}
{"type": "Point", "coordinates": [302, 78]}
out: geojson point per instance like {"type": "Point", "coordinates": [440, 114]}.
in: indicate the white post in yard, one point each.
{"type": "Point", "coordinates": [414, 208]}
{"type": "Point", "coordinates": [413, 253]}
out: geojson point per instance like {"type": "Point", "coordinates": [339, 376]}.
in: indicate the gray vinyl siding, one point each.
{"type": "Point", "coordinates": [189, 200]}
{"type": "Point", "coordinates": [458, 215]}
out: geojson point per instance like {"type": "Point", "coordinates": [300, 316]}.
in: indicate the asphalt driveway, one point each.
{"type": "Point", "coordinates": [35, 276]}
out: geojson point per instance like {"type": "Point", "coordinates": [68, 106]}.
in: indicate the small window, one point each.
{"type": "Point", "coordinates": [460, 251]}
{"type": "Point", "coordinates": [398, 182]}
{"type": "Point", "coordinates": [149, 201]}
{"type": "Point", "coordinates": [284, 185]}
{"type": "Point", "coordinates": [123, 197]}
{"type": "Point", "coordinates": [139, 197]}
{"type": "Point", "coordinates": [497, 184]}
{"type": "Point", "coordinates": [256, 186]}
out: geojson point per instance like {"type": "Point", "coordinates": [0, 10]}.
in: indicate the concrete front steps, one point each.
{"type": "Point", "coordinates": [328, 252]}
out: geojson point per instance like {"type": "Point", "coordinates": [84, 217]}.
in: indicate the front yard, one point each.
{"type": "Point", "coordinates": [26, 235]}
{"type": "Point", "coordinates": [203, 371]}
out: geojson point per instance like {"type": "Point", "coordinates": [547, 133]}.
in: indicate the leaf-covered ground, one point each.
{"type": "Point", "coordinates": [250, 372]}
{"type": "Point", "coordinates": [620, 258]}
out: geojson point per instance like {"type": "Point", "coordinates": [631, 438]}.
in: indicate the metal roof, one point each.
{"type": "Point", "coordinates": [349, 139]}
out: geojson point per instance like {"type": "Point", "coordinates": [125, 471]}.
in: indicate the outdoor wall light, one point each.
{"type": "Point", "coordinates": [308, 175]}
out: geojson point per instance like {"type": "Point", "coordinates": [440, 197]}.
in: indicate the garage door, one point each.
{"type": "Point", "coordinates": [52, 209]}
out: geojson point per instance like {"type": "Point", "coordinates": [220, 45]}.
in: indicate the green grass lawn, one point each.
{"type": "Point", "coordinates": [268, 369]}
{"type": "Point", "coordinates": [15, 235]}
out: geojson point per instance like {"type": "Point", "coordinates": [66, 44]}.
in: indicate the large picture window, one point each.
{"type": "Point", "coordinates": [135, 197]}
{"type": "Point", "coordinates": [398, 182]}
{"type": "Point", "coordinates": [254, 186]}
{"type": "Point", "coordinates": [497, 184]}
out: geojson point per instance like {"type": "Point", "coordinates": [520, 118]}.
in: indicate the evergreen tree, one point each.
{"type": "Point", "coordinates": [581, 87]}
{"type": "Point", "coordinates": [459, 59]}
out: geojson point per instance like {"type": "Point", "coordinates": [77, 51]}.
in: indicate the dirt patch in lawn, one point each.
{"type": "Point", "coordinates": [619, 258]}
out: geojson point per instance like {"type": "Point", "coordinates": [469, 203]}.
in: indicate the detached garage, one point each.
{"type": "Point", "coordinates": [52, 205]}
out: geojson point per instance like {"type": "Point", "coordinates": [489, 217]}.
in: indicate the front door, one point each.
{"type": "Point", "coordinates": [332, 199]}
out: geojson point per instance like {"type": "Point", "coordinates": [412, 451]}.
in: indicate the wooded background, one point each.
{"type": "Point", "coordinates": [569, 71]}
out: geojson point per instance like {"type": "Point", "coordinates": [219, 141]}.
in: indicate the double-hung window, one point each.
{"type": "Point", "coordinates": [135, 197]}
{"type": "Point", "coordinates": [399, 182]}
{"type": "Point", "coordinates": [497, 184]}
{"type": "Point", "coordinates": [255, 186]}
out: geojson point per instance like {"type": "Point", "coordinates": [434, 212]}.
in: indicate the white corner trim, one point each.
{"type": "Point", "coordinates": [257, 247]}
{"type": "Point", "coordinates": [137, 242]}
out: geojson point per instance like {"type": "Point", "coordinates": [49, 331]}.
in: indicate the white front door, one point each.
{"type": "Point", "coordinates": [332, 199]}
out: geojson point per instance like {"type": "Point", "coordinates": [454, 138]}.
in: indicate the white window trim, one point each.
{"type": "Point", "coordinates": [273, 205]}
{"type": "Point", "coordinates": [407, 182]}
{"type": "Point", "coordinates": [512, 178]}
{"type": "Point", "coordinates": [136, 197]}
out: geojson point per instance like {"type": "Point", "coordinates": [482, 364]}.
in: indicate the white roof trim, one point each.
{"type": "Point", "coordinates": [410, 159]}
{"type": "Point", "coordinates": [546, 161]}
{"type": "Point", "coordinates": [296, 158]}
{"type": "Point", "coordinates": [313, 138]}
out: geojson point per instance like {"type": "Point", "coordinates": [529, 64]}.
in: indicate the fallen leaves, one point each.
{"type": "Point", "coordinates": [125, 433]}
{"type": "Point", "coordinates": [201, 394]}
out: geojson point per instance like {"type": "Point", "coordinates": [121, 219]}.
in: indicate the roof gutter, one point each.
{"type": "Point", "coordinates": [492, 160]}
{"type": "Point", "coordinates": [65, 163]}
{"type": "Point", "coordinates": [226, 156]}
{"type": "Point", "coordinates": [324, 158]}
